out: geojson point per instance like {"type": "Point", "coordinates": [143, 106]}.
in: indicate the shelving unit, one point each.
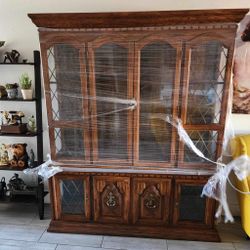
{"type": "Point", "coordinates": [39, 134]}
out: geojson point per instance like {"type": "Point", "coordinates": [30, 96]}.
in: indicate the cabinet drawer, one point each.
{"type": "Point", "coordinates": [111, 199]}
{"type": "Point", "coordinates": [151, 201]}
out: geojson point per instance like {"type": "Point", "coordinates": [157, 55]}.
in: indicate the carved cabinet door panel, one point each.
{"type": "Point", "coordinates": [111, 199]}
{"type": "Point", "coordinates": [151, 201]}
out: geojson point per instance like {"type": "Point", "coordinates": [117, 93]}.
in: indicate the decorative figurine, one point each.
{"type": "Point", "coordinates": [4, 156]}
{"type": "Point", "coordinates": [20, 156]}
{"type": "Point", "coordinates": [12, 56]}
{"type": "Point", "coordinates": [16, 183]}
{"type": "Point", "coordinates": [32, 124]}
{"type": "Point", "coordinates": [31, 161]}
{"type": "Point", "coordinates": [11, 122]}
{"type": "Point", "coordinates": [3, 188]}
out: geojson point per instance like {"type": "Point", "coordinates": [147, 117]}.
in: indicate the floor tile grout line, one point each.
{"type": "Point", "coordinates": [234, 246]}
{"type": "Point", "coordinates": [102, 242]}
{"type": "Point", "coordinates": [45, 230]}
{"type": "Point", "coordinates": [167, 244]}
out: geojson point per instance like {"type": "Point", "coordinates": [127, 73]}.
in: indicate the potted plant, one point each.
{"type": "Point", "coordinates": [25, 84]}
{"type": "Point", "coordinates": [11, 89]}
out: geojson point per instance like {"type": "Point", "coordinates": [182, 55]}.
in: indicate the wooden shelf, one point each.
{"type": "Point", "coordinates": [19, 135]}
{"type": "Point", "coordinates": [9, 168]}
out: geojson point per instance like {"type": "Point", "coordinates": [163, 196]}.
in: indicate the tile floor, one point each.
{"type": "Point", "coordinates": [21, 229]}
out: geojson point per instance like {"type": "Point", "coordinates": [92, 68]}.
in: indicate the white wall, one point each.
{"type": "Point", "coordinates": [19, 32]}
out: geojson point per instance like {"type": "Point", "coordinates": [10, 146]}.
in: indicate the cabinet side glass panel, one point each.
{"type": "Point", "coordinates": [157, 76]}
{"type": "Point", "coordinates": [69, 143]}
{"type": "Point", "coordinates": [206, 83]}
{"type": "Point", "coordinates": [72, 196]}
{"type": "Point", "coordinates": [65, 82]}
{"type": "Point", "coordinates": [111, 69]}
{"type": "Point", "coordinates": [206, 142]}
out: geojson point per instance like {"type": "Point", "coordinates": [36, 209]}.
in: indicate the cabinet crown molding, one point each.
{"type": "Point", "coordinates": [136, 19]}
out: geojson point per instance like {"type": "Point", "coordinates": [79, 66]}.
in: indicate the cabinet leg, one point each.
{"type": "Point", "coordinates": [40, 198]}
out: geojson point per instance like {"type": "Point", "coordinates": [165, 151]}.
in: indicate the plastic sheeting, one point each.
{"type": "Point", "coordinates": [111, 104]}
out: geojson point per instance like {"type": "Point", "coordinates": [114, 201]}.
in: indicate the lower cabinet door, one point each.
{"type": "Point", "coordinates": [72, 201]}
{"type": "Point", "coordinates": [151, 201]}
{"type": "Point", "coordinates": [111, 199]}
{"type": "Point", "coordinates": [189, 206]}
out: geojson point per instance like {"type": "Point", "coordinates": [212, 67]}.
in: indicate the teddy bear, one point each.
{"type": "Point", "coordinates": [20, 156]}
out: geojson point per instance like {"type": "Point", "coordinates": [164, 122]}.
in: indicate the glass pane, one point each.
{"type": "Point", "coordinates": [65, 82]}
{"type": "Point", "coordinates": [192, 206]}
{"type": "Point", "coordinates": [207, 77]}
{"type": "Point", "coordinates": [206, 142]}
{"type": "Point", "coordinates": [72, 196]}
{"type": "Point", "coordinates": [111, 71]}
{"type": "Point", "coordinates": [69, 143]}
{"type": "Point", "coordinates": [157, 78]}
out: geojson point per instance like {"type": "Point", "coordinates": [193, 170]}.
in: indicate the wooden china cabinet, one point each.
{"type": "Point", "coordinates": [110, 80]}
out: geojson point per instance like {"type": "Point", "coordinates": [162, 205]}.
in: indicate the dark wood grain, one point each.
{"type": "Point", "coordinates": [136, 19]}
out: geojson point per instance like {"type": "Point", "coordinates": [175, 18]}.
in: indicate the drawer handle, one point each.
{"type": "Point", "coordinates": [111, 200]}
{"type": "Point", "coordinates": [152, 202]}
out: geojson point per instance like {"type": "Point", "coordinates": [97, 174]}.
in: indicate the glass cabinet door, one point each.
{"type": "Point", "coordinates": [72, 194]}
{"type": "Point", "coordinates": [157, 78]}
{"type": "Point", "coordinates": [205, 78]}
{"type": "Point", "coordinates": [189, 206]}
{"type": "Point", "coordinates": [65, 88]}
{"type": "Point", "coordinates": [110, 93]}
{"type": "Point", "coordinates": [206, 83]}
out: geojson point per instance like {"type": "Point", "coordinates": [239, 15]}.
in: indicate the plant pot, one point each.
{"type": "Point", "coordinates": [12, 93]}
{"type": "Point", "coordinates": [27, 94]}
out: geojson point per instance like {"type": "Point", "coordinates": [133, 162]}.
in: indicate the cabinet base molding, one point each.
{"type": "Point", "coordinates": [175, 233]}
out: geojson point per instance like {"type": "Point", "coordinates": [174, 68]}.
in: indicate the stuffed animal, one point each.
{"type": "Point", "coordinates": [20, 156]}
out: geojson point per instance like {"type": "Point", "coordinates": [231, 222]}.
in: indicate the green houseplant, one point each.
{"type": "Point", "coordinates": [11, 89]}
{"type": "Point", "coordinates": [26, 86]}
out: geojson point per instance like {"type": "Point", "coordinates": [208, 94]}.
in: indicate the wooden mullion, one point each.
{"type": "Point", "coordinates": [184, 97]}
{"type": "Point", "coordinates": [93, 108]}
{"type": "Point", "coordinates": [85, 126]}
{"type": "Point", "coordinates": [175, 100]}
{"type": "Point", "coordinates": [185, 86]}
{"type": "Point", "coordinates": [136, 135]}
{"type": "Point", "coordinates": [130, 95]}
{"type": "Point", "coordinates": [203, 127]}
{"type": "Point", "coordinates": [52, 142]}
